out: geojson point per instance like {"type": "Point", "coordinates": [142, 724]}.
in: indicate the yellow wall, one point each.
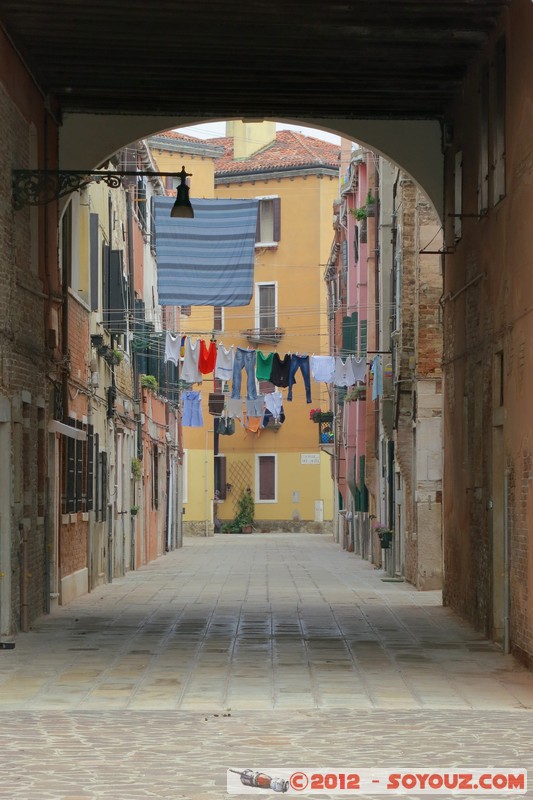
{"type": "Point", "coordinates": [202, 168]}
{"type": "Point", "coordinates": [297, 265]}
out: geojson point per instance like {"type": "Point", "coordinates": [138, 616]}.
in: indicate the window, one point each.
{"type": "Point", "coordinates": [265, 387]}
{"type": "Point", "coordinates": [218, 319]}
{"type": "Point", "coordinates": [498, 123]}
{"type": "Point", "coordinates": [77, 473]}
{"type": "Point", "coordinates": [266, 315]}
{"type": "Point", "coordinates": [268, 221]}
{"type": "Point", "coordinates": [266, 479]}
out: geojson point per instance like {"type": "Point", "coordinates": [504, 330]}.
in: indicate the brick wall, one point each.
{"type": "Point", "coordinates": [24, 355]}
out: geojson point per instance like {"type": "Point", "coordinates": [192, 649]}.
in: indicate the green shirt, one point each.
{"type": "Point", "coordinates": [263, 368]}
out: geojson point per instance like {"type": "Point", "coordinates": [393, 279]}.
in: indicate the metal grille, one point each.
{"type": "Point", "coordinates": [240, 478]}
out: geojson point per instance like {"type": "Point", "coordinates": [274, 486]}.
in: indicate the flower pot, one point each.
{"type": "Point", "coordinates": [247, 529]}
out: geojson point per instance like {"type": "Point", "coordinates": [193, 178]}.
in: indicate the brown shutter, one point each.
{"type": "Point", "coordinates": [277, 219]}
{"type": "Point", "coordinates": [267, 478]}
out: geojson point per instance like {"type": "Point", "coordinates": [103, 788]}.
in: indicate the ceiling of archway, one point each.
{"type": "Point", "coordinates": [270, 58]}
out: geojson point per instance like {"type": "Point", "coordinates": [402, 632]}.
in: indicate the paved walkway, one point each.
{"type": "Point", "coordinates": [256, 651]}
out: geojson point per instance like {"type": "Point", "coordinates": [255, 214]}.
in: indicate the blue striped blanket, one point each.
{"type": "Point", "coordinates": [208, 260]}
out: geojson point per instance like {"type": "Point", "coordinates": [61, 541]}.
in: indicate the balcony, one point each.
{"type": "Point", "coordinates": [264, 335]}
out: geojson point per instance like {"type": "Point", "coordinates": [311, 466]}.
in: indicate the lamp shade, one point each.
{"type": "Point", "coordinates": [182, 207]}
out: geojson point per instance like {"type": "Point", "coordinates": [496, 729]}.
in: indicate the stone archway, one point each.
{"type": "Point", "coordinates": [87, 140]}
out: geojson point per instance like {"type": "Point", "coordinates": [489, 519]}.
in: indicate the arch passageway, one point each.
{"type": "Point", "coordinates": [261, 622]}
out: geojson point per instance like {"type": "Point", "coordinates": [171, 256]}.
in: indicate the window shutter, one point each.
{"type": "Point", "coordinates": [71, 471]}
{"type": "Point", "coordinates": [363, 342]}
{"type": "Point", "coordinates": [105, 284]}
{"type": "Point", "coordinates": [115, 319]}
{"type": "Point", "coordinates": [267, 307]}
{"type": "Point", "coordinates": [79, 470]}
{"type": "Point", "coordinates": [155, 496]}
{"type": "Point", "coordinates": [97, 476]}
{"type": "Point", "coordinates": [94, 268]}
{"type": "Point", "coordinates": [90, 467]}
{"type": "Point", "coordinates": [103, 484]}
{"type": "Point", "coordinates": [277, 219]}
{"type": "Point", "coordinates": [267, 477]}
{"type": "Point", "coordinates": [258, 225]}
{"type": "Point", "coordinates": [220, 477]}
{"type": "Point", "coordinates": [349, 335]}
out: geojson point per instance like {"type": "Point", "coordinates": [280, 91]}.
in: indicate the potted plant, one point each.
{"type": "Point", "coordinates": [244, 518]}
{"type": "Point", "coordinates": [385, 536]}
{"type": "Point", "coordinates": [246, 511]}
{"type": "Point", "coordinates": [136, 468]}
{"type": "Point", "coordinates": [359, 213]}
{"type": "Point", "coordinates": [113, 357]}
{"type": "Point", "coordinates": [317, 415]}
{"type": "Point", "coordinates": [149, 382]}
{"type": "Point", "coordinates": [370, 204]}
{"type": "Point", "coordinates": [355, 393]}
{"type": "Point", "coordinates": [134, 510]}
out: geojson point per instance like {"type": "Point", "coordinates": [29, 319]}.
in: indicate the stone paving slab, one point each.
{"type": "Point", "coordinates": [272, 621]}
{"type": "Point", "coordinates": [269, 650]}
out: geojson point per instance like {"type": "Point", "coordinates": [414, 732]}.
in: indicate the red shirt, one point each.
{"type": "Point", "coordinates": [207, 358]}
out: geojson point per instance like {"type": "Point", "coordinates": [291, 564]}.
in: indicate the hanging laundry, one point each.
{"type": "Point", "coordinates": [269, 420]}
{"type": "Point", "coordinates": [224, 363]}
{"type": "Point", "coordinates": [273, 403]}
{"type": "Point", "coordinates": [359, 369]}
{"type": "Point", "coordinates": [244, 359]}
{"type": "Point", "coordinates": [255, 408]}
{"type": "Point", "coordinates": [234, 407]}
{"type": "Point", "coordinates": [322, 368]}
{"type": "Point", "coordinates": [192, 410]}
{"type": "Point", "coordinates": [208, 260]}
{"type": "Point", "coordinates": [344, 374]}
{"type": "Point", "coordinates": [280, 370]}
{"type": "Point", "coordinates": [263, 369]}
{"type": "Point", "coordinates": [377, 385]}
{"type": "Point", "coordinates": [253, 424]}
{"type": "Point", "coordinates": [300, 363]}
{"type": "Point", "coordinates": [172, 349]}
{"type": "Point", "coordinates": [207, 358]}
{"type": "Point", "coordinates": [216, 403]}
{"type": "Point", "coordinates": [226, 426]}
{"type": "Point", "coordinates": [189, 371]}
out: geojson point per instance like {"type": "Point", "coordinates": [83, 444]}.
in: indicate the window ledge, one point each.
{"type": "Point", "coordinates": [266, 245]}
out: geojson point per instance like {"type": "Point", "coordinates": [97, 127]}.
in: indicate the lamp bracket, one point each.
{"type": "Point", "coordinates": [40, 186]}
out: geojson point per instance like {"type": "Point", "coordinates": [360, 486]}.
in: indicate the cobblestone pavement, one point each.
{"type": "Point", "coordinates": [268, 650]}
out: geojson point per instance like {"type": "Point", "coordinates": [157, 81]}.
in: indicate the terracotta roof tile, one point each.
{"type": "Point", "coordinates": [291, 149]}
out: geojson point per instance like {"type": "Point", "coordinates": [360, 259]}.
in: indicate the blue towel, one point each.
{"type": "Point", "coordinates": [377, 372]}
{"type": "Point", "coordinates": [207, 260]}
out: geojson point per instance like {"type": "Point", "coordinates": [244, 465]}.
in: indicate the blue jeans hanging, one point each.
{"type": "Point", "coordinates": [244, 358]}
{"type": "Point", "coordinates": [302, 363]}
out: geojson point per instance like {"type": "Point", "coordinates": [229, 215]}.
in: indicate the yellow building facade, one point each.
{"type": "Point", "coordinates": [295, 180]}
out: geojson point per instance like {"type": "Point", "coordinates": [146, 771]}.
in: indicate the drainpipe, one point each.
{"type": "Point", "coordinates": [506, 565]}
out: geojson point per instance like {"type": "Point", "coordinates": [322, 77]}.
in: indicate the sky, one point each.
{"type": "Point", "coordinates": [208, 130]}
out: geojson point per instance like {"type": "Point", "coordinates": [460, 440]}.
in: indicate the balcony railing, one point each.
{"type": "Point", "coordinates": [264, 335]}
